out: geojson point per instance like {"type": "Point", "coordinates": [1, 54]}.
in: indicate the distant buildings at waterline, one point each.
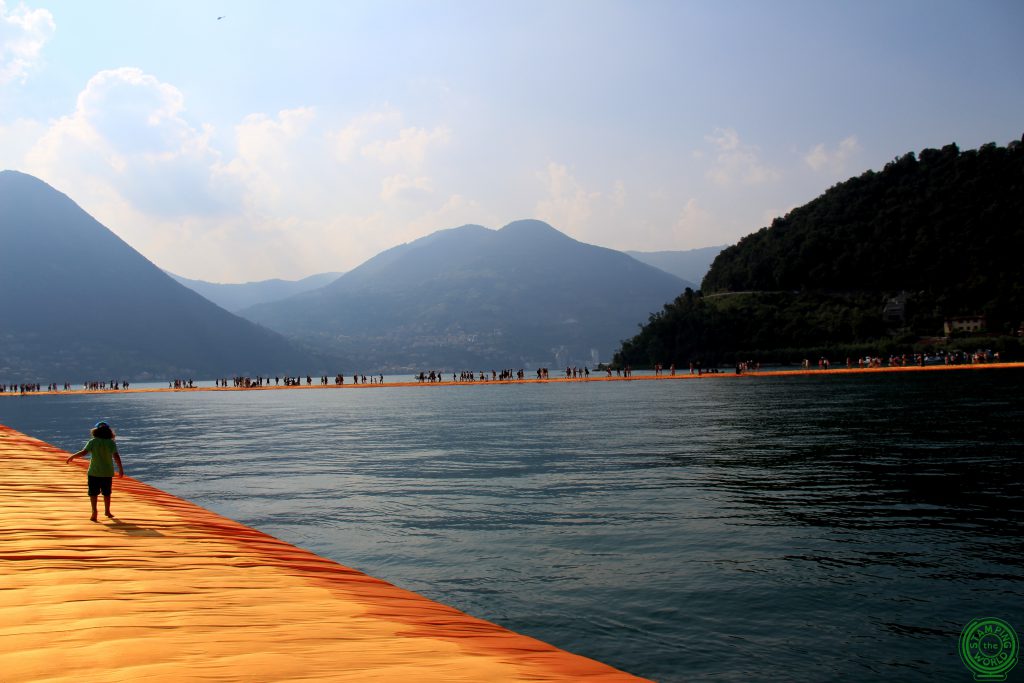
{"type": "Point", "coordinates": [894, 313]}
{"type": "Point", "coordinates": [964, 324]}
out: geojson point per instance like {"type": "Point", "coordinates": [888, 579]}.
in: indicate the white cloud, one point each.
{"type": "Point", "coordinates": [23, 33]}
{"type": "Point", "coordinates": [279, 194]}
{"type": "Point", "coordinates": [316, 201]}
{"type": "Point", "coordinates": [402, 186]}
{"type": "Point", "coordinates": [410, 147]}
{"type": "Point", "coordinates": [345, 141]}
{"type": "Point", "coordinates": [568, 206]}
{"type": "Point", "coordinates": [724, 139]}
{"type": "Point", "coordinates": [128, 137]}
{"type": "Point", "coordinates": [456, 210]}
{"type": "Point", "coordinates": [18, 137]}
{"type": "Point", "coordinates": [266, 164]}
{"type": "Point", "coordinates": [262, 138]}
{"type": "Point", "coordinates": [692, 216]}
{"type": "Point", "coordinates": [695, 225]}
{"type": "Point", "coordinates": [619, 195]}
{"type": "Point", "coordinates": [457, 203]}
{"type": "Point", "coordinates": [735, 162]}
{"type": "Point", "coordinates": [820, 158]}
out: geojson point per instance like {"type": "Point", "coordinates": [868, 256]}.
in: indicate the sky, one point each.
{"type": "Point", "coordinates": [239, 141]}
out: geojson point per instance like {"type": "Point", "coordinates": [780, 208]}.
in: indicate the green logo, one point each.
{"type": "Point", "coordinates": [989, 647]}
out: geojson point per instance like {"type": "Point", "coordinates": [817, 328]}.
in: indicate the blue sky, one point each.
{"type": "Point", "coordinates": [292, 138]}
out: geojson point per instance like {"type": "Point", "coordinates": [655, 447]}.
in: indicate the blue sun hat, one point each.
{"type": "Point", "coordinates": [99, 424]}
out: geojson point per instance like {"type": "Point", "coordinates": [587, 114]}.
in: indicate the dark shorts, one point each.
{"type": "Point", "coordinates": [98, 484]}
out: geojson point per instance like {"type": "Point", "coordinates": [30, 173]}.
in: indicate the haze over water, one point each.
{"type": "Point", "coordinates": [804, 528]}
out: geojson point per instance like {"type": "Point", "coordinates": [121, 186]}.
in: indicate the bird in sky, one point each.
{"type": "Point", "coordinates": [221, 17]}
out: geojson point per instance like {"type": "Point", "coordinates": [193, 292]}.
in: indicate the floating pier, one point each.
{"type": "Point", "coordinates": [170, 591]}
{"type": "Point", "coordinates": [680, 374]}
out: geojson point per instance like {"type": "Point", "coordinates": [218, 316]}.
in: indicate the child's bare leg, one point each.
{"type": "Point", "coordinates": [92, 500]}
{"type": "Point", "coordinates": [106, 506]}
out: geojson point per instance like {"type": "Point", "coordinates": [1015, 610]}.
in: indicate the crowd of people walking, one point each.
{"type": "Point", "coordinates": [434, 376]}
{"type": "Point", "coordinates": [509, 374]}
{"type": "Point", "coordinates": [21, 388]}
{"type": "Point", "coordinates": [66, 386]}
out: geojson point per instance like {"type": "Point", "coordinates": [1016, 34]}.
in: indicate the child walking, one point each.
{"type": "Point", "coordinates": [101, 466]}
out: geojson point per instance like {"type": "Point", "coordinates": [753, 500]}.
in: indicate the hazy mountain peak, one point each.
{"type": "Point", "coordinates": [532, 229]}
{"type": "Point", "coordinates": [458, 233]}
{"type": "Point", "coordinates": [10, 174]}
{"type": "Point", "coordinates": [236, 296]}
{"type": "Point", "coordinates": [529, 224]}
{"type": "Point", "coordinates": [30, 186]}
{"type": "Point", "coordinates": [16, 181]}
{"type": "Point", "coordinates": [37, 216]}
{"type": "Point", "coordinates": [690, 265]}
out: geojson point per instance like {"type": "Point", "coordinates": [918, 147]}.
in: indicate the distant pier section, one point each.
{"type": "Point", "coordinates": [595, 376]}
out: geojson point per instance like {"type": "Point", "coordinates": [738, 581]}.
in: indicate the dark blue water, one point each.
{"type": "Point", "coordinates": [733, 529]}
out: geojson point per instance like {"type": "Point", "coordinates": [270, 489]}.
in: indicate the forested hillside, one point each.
{"type": "Point", "coordinates": [942, 230]}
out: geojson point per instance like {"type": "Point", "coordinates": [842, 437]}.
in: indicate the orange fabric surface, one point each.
{"type": "Point", "coordinates": [169, 591]}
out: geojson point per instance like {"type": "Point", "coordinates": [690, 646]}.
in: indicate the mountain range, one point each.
{"type": "Point", "coordinates": [876, 263]}
{"type": "Point", "coordinates": [690, 265]}
{"type": "Point", "coordinates": [235, 297]}
{"type": "Point", "coordinates": [474, 298]}
{"type": "Point", "coordinates": [79, 304]}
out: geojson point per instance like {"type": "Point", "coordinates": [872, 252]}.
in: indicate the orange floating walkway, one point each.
{"type": "Point", "coordinates": [169, 591]}
{"type": "Point", "coordinates": [681, 374]}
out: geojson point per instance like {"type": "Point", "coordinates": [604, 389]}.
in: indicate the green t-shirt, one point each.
{"type": "Point", "coordinates": [102, 462]}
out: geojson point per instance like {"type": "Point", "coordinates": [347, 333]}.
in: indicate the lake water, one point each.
{"type": "Point", "coordinates": [730, 529]}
